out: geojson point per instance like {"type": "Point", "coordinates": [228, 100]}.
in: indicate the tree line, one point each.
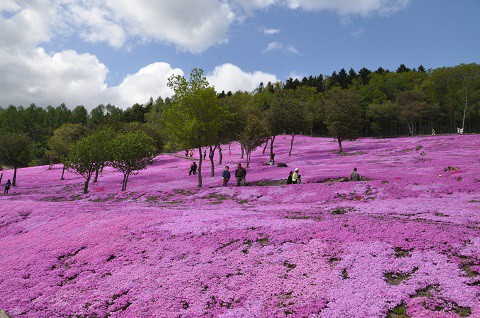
{"type": "Point", "coordinates": [345, 105]}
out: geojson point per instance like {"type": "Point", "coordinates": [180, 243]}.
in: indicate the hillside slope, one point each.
{"type": "Point", "coordinates": [403, 243]}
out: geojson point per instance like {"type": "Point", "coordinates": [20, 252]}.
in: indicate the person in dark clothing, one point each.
{"type": "Point", "coordinates": [225, 176]}
{"type": "Point", "coordinates": [240, 175]}
{"type": "Point", "coordinates": [204, 154]}
{"type": "Point", "coordinates": [186, 153]}
{"type": "Point", "coordinates": [272, 159]}
{"type": "Point", "coordinates": [355, 176]}
{"type": "Point", "coordinates": [289, 179]}
{"type": "Point", "coordinates": [7, 187]}
{"type": "Point", "coordinates": [193, 169]}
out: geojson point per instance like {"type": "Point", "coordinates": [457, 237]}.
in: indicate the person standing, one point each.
{"type": "Point", "coordinates": [7, 187]}
{"type": "Point", "coordinates": [204, 154]}
{"type": "Point", "coordinates": [240, 175]}
{"type": "Point", "coordinates": [191, 153]}
{"type": "Point", "coordinates": [225, 176]}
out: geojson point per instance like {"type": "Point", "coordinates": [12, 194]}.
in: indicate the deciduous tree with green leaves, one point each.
{"type": "Point", "coordinates": [194, 118]}
{"type": "Point", "coordinates": [89, 154]}
{"type": "Point", "coordinates": [253, 135]}
{"type": "Point", "coordinates": [132, 152]}
{"type": "Point", "coordinates": [15, 151]}
{"type": "Point", "coordinates": [62, 140]}
{"type": "Point", "coordinates": [343, 115]}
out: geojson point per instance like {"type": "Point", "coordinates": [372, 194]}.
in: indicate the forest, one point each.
{"type": "Point", "coordinates": [345, 105]}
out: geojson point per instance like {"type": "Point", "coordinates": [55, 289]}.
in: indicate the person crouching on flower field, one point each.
{"type": "Point", "coordinates": [296, 178]}
{"type": "Point", "coordinates": [354, 176]}
{"type": "Point", "coordinates": [225, 176]}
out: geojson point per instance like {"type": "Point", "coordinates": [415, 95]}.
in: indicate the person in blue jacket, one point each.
{"type": "Point", "coordinates": [225, 176]}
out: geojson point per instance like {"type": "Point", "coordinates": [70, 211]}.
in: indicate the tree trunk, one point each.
{"type": "Point", "coordinates": [220, 154]}
{"type": "Point", "coordinates": [229, 148]}
{"type": "Point", "coordinates": [199, 185]}
{"type": "Point", "coordinates": [63, 172]}
{"type": "Point", "coordinates": [96, 174]}
{"type": "Point", "coordinates": [266, 144]}
{"type": "Point", "coordinates": [291, 144]}
{"type": "Point", "coordinates": [271, 145]}
{"type": "Point", "coordinates": [340, 144]}
{"type": "Point", "coordinates": [85, 186]}
{"type": "Point", "coordinates": [211, 155]}
{"type": "Point", "coordinates": [1, 177]}
{"type": "Point", "coordinates": [14, 176]}
{"type": "Point", "coordinates": [125, 180]}
{"type": "Point", "coordinates": [243, 151]}
{"type": "Point", "coordinates": [248, 157]}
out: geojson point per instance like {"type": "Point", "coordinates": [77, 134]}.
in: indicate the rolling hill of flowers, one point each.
{"type": "Point", "coordinates": [404, 242]}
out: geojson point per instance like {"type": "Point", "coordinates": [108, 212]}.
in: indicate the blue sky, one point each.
{"type": "Point", "coordinates": [90, 52]}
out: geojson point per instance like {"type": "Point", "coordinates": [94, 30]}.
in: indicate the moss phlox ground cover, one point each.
{"type": "Point", "coordinates": [403, 243]}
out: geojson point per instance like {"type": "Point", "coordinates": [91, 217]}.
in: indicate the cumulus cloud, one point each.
{"type": "Point", "coordinates": [34, 76]}
{"type": "Point", "coordinates": [190, 25]}
{"type": "Point", "coordinates": [347, 7]}
{"type": "Point", "coordinates": [228, 77]}
{"type": "Point", "coordinates": [149, 81]}
{"type": "Point", "coordinates": [28, 23]}
{"type": "Point", "coordinates": [75, 79]}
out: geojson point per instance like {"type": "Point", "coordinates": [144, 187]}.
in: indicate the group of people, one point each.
{"type": "Point", "coordinates": [294, 177]}
{"type": "Point", "coordinates": [189, 153]}
{"type": "Point", "coordinates": [240, 175]}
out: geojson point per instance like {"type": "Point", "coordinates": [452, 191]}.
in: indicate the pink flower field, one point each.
{"type": "Point", "coordinates": [403, 243]}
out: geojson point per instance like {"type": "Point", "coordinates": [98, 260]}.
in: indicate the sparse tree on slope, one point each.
{"type": "Point", "coordinates": [132, 152]}
{"type": "Point", "coordinates": [89, 154]}
{"type": "Point", "coordinates": [15, 151]}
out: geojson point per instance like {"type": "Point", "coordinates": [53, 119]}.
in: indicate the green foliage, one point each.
{"type": "Point", "coordinates": [253, 135]}
{"type": "Point", "coordinates": [15, 151]}
{"type": "Point", "coordinates": [412, 106]}
{"type": "Point", "coordinates": [131, 152]}
{"type": "Point", "coordinates": [195, 117]}
{"type": "Point", "coordinates": [343, 115]}
{"type": "Point", "coordinates": [90, 154]}
{"type": "Point", "coordinates": [382, 117]}
{"type": "Point", "coordinates": [62, 140]}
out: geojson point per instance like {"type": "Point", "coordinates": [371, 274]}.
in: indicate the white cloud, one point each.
{"type": "Point", "coordinates": [295, 75]}
{"type": "Point", "coordinates": [95, 26]}
{"type": "Point", "coordinates": [149, 81]}
{"type": "Point", "coordinates": [347, 7]}
{"type": "Point", "coordinates": [279, 46]}
{"type": "Point", "coordinates": [270, 31]}
{"type": "Point", "coordinates": [250, 5]}
{"type": "Point", "coordinates": [190, 25]}
{"type": "Point", "coordinates": [35, 76]}
{"type": "Point", "coordinates": [228, 77]}
{"type": "Point", "coordinates": [27, 22]}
